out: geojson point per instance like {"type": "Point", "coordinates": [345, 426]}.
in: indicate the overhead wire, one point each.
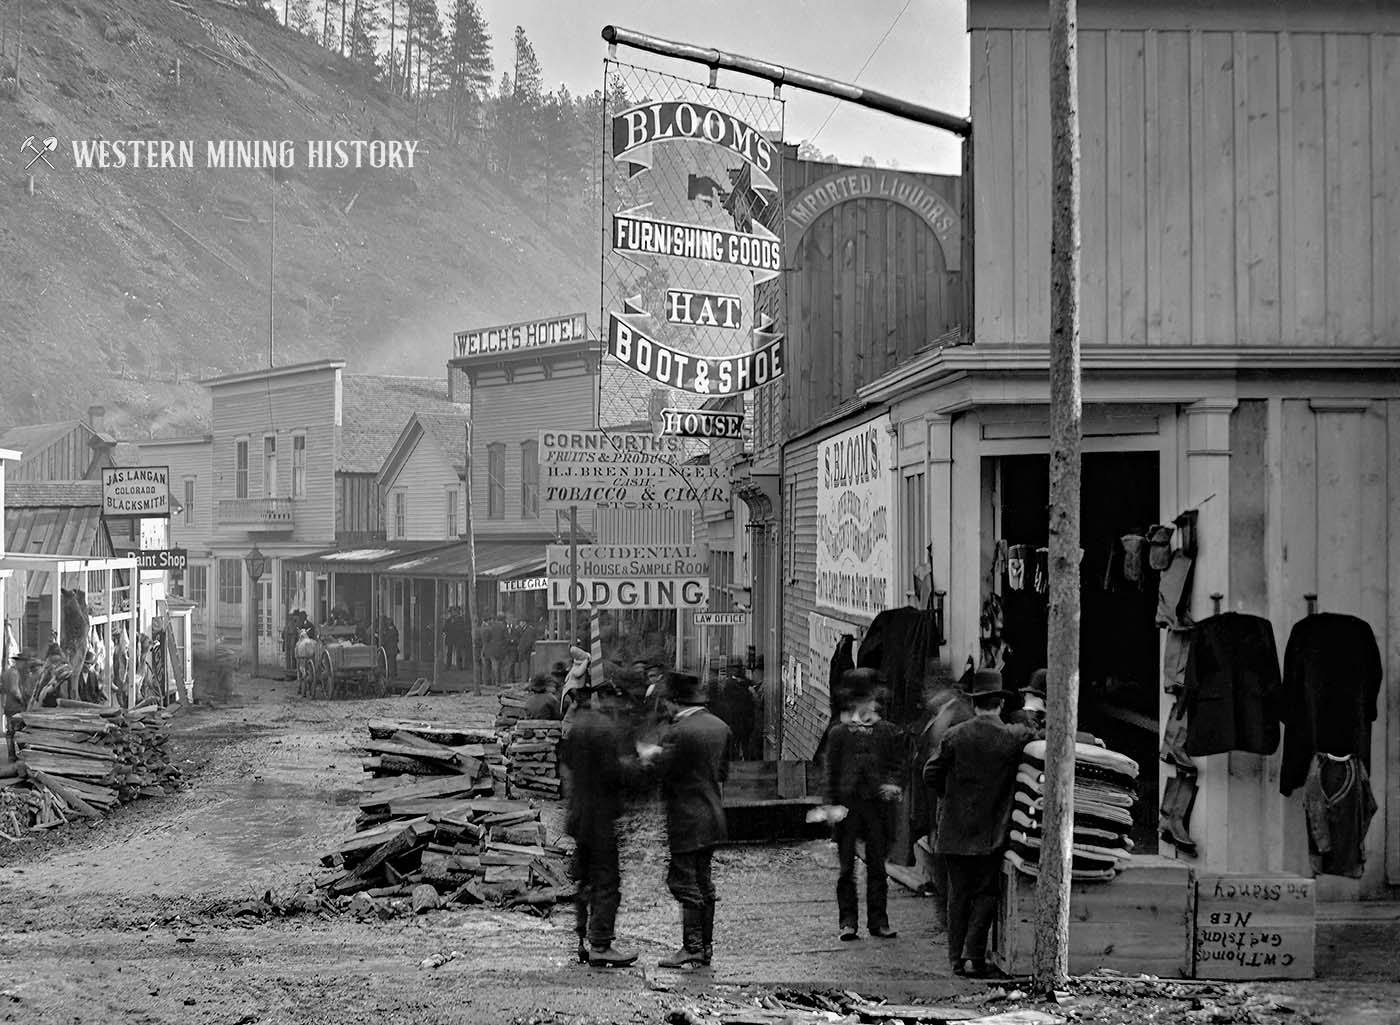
{"type": "Point", "coordinates": [837, 105]}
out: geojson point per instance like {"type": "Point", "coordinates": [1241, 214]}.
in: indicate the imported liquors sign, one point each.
{"type": "Point", "coordinates": [855, 492]}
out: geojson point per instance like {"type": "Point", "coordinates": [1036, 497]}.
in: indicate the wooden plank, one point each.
{"type": "Point", "coordinates": [1259, 165]}
{"type": "Point", "coordinates": [1380, 229]}
{"type": "Point", "coordinates": [1113, 113]}
{"type": "Point", "coordinates": [1391, 638]}
{"type": "Point", "coordinates": [1387, 182]}
{"type": "Point", "coordinates": [912, 1012]}
{"type": "Point", "coordinates": [1093, 267]}
{"type": "Point", "coordinates": [1131, 296]}
{"type": "Point", "coordinates": [1288, 215]}
{"type": "Point", "coordinates": [1019, 196]}
{"type": "Point", "coordinates": [1214, 163]}
{"type": "Point", "coordinates": [1196, 177]}
{"type": "Point", "coordinates": [1310, 205]}
{"type": "Point", "coordinates": [1254, 927]}
{"type": "Point", "coordinates": [1375, 464]}
{"type": "Point", "coordinates": [994, 157]}
{"type": "Point", "coordinates": [438, 786]}
{"type": "Point", "coordinates": [442, 755]}
{"type": "Point", "coordinates": [1175, 271]}
{"type": "Point", "coordinates": [1239, 67]}
{"type": "Point", "coordinates": [1349, 188]}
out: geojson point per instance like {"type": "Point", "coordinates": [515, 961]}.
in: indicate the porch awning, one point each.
{"type": "Point", "coordinates": [494, 560]}
{"type": "Point", "coordinates": [360, 559]}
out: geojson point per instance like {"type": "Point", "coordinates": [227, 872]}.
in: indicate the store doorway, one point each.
{"type": "Point", "coordinates": [1119, 658]}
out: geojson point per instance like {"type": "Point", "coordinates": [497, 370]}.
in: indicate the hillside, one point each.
{"type": "Point", "coordinates": [125, 286]}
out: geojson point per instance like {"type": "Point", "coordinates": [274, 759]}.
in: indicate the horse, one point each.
{"type": "Point", "coordinates": [308, 653]}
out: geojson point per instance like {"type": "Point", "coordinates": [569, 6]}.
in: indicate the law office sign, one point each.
{"type": "Point", "coordinates": [136, 491]}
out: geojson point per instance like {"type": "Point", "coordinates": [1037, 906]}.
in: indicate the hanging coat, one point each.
{"type": "Point", "coordinates": [898, 644]}
{"type": "Point", "coordinates": [1232, 686]}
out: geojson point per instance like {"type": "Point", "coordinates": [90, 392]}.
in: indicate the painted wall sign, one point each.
{"type": "Point", "coordinates": [855, 552]}
{"type": "Point", "coordinates": [906, 190]}
{"type": "Point", "coordinates": [704, 309]}
{"type": "Point", "coordinates": [522, 584]}
{"type": "Point", "coordinates": [701, 423]}
{"type": "Point", "coordinates": [760, 252]}
{"type": "Point", "coordinates": [624, 468]}
{"type": "Point", "coordinates": [639, 593]}
{"type": "Point", "coordinates": [620, 562]}
{"type": "Point", "coordinates": [1255, 927]}
{"type": "Point", "coordinates": [710, 375]}
{"type": "Point", "coordinates": [721, 618]}
{"type": "Point", "coordinates": [533, 334]}
{"type": "Point", "coordinates": [156, 558]}
{"type": "Point", "coordinates": [636, 130]}
{"type": "Point", "coordinates": [139, 491]}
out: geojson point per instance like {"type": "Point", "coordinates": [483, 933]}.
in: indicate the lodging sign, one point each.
{"type": "Point", "coordinates": [855, 552]}
{"type": "Point", "coordinates": [136, 491]}
{"type": "Point", "coordinates": [627, 562]}
{"type": "Point", "coordinates": [623, 468]}
{"type": "Point", "coordinates": [507, 338]}
{"type": "Point", "coordinates": [641, 593]}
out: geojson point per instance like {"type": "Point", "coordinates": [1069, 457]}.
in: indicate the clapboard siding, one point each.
{"type": "Point", "coordinates": [193, 528]}
{"type": "Point", "coordinates": [805, 710]}
{"type": "Point", "coordinates": [295, 404]}
{"type": "Point", "coordinates": [513, 413]}
{"type": "Point", "coordinates": [1237, 187]}
{"type": "Point", "coordinates": [867, 286]}
{"type": "Point", "coordinates": [425, 480]}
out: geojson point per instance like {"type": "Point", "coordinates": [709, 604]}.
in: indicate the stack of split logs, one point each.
{"type": "Point", "coordinates": [512, 710]}
{"type": "Point", "coordinates": [432, 834]}
{"type": "Point", "coordinates": [532, 748]}
{"type": "Point", "coordinates": [80, 760]}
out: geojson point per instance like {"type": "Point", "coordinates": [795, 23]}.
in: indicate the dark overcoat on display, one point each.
{"type": "Point", "coordinates": [1232, 686]}
{"type": "Point", "coordinates": [693, 767]}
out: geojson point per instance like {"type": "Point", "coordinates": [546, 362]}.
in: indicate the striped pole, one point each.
{"type": "Point", "coordinates": [595, 645]}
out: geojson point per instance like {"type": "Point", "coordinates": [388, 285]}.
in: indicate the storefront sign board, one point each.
{"type": "Point", "coordinates": [636, 130]}
{"type": "Point", "coordinates": [637, 593]}
{"type": "Point", "coordinates": [522, 584]}
{"type": "Point", "coordinates": [721, 618]}
{"type": "Point", "coordinates": [624, 468]}
{"type": "Point", "coordinates": [701, 423]}
{"type": "Point", "coordinates": [532, 334]}
{"type": "Point", "coordinates": [1255, 927]}
{"type": "Point", "coordinates": [730, 374]}
{"type": "Point", "coordinates": [855, 495]}
{"type": "Point", "coordinates": [175, 559]}
{"type": "Point", "coordinates": [627, 562]}
{"type": "Point", "coordinates": [136, 491]}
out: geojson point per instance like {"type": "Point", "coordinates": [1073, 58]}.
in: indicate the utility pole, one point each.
{"type": "Point", "coordinates": [1050, 967]}
{"type": "Point", "coordinates": [473, 625]}
{"type": "Point", "coordinates": [272, 278]}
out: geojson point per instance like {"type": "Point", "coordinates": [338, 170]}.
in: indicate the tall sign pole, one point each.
{"type": "Point", "coordinates": [573, 574]}
{"type": "Point", "coordinates": [473, 614]}
{"type": "Point", "coordinates": [1050, 967]}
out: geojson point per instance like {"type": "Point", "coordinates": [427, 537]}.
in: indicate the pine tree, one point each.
{"type": "Point", "coordinates": [527, 69]}
{"type": "Point", "coordinates": [366, 24]}
{"type": "Point", "coordinates": [468, 65]}
{"type": "Point", "coordinates": [300, 18]}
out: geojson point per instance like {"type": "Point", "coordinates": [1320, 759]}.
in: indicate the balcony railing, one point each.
{"type": "Point", "coordinates": [258, 513]}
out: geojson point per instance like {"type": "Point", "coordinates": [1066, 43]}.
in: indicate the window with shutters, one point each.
{"type": "Point", "coordinates": [400, 515]}
{"type": "Point", "coordinates": [189, 500]}
{"type": "Point", "coordinates": [240, 468]}
{"type": "Point", "coordinates": [496, 481]}
{"type": "Point", "coordinates": [231, 581]}
{"type": "Point", "coordinates": [452, 511]}
{"type": "Point", "coordinates": [299, 466]}
{"type": "Point", "coordinates": [530, 479]}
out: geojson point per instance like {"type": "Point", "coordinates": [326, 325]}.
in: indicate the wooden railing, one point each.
{"type": "Point", "coordinates": [260, 512]}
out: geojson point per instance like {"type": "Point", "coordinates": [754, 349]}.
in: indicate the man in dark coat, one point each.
{"type": "Point", "coordinates": [598, 765]}
{"type": "Point", "coordinates": [14, 693]}
{"type": "Point", "coordinates": [864, 766]}
{"type": "Point", "coordinates": [541, 702]}
{"type": "Point", "coordinates": [948, 705]}
{"type": "Point", "coordinates": [692, 761]}
{"type": "Point", "coordinates": [974, 774]}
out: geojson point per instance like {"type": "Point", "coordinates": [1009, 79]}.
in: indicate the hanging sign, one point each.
{"type": "Point", "coordinates": [709, 375]}
{"type": "Point", "coordinates": [760, 251]}
{"type": "Point", "coordinates": [636, 130]}
{"type": "Point", "coordinates": [623, 562]}
{"type": "Point", "coordinates": [855, 553]}
{"type": "Point", "coordinates": [701, 423]}
{"type": "Point", "coordinates": [506, 338]}
{"type": "Point", "coordinates": [721, 618]}
{"type": "Point", "coordinates": [136, 491]}
{"type": "Point", "coordinates": [907, 191]}
{"type": "Point", "coordinates": [634, 593]}
{"type": "Point", "coordinates": [704, 309]}
{"type": "Point", "coordinates": [175, 559]}
{"type": "Point", "coordinates": [522, 584]}
{"type": "Point", "coordinates": [624, 468]}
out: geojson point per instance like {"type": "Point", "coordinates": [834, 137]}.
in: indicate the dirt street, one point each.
{"type": "Point", "coordinates": [132, 919]}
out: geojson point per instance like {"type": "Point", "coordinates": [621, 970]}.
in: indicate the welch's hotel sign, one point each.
{"type": "Point", "coordinates": [505, 339]}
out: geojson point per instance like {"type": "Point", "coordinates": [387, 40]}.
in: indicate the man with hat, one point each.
{"type": "Point", "coordinates": [973, 771]}
{"type": "Point", "coordinates": [1032, 710]}
{"type": "Point", "coordinates": [948, 706]}
{"type": "Point", "coordinates": [540, 702]}
{"type": "Point", "coordinates": [864, 766]}
{"type": "Point", "coordinates": [13, 693]}
{"type": "Point", "coordinates": [598, 770]}
{"type": "Point", "coordinates": [692, 760]}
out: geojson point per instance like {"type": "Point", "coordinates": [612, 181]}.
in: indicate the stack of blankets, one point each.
{"type": "Point", "coordinates": [1105, 784]}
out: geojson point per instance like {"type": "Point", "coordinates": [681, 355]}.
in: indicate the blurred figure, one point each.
{"type": "Point", "coordinates": [389, 637]}
{"type": "Point", "coordinates": [540, 702]}
{"type": "Point", "coordinates": [1032, 710]}
{"type": "Point", "coordinates": [948, 706]}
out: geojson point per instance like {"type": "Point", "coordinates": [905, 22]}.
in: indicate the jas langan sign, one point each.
{"type": "Point", "coordinates": [142, 492]}
{"type": "Point", "coordinates": [629, 344]}
{"type": "Point", "coordinates": [508, 338]}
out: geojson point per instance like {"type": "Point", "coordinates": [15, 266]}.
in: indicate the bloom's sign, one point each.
{"type": "Point", "coordinates": [136, 491]}
{"type": "Point", "coordinates": [760, 252]}
{"type": "Point", "coordinates": [855, 552]}
{"type": "Point", "coordinates": [629, 344]}
{"type": "Point", "coordinates": [508, 338]}
{"type": "Point", "coordinates": [636, 130]}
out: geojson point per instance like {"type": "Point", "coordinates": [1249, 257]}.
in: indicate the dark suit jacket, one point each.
{"type": "Point", "coordinates": [860, 759]}
{"type": "Point", "coordinates": [1232, 686]}
{"type": "Point", "coordinates": [541, 705]}
{"type": "Point", "coordinates": [596, 756]}
{"type": "Point", "coordinates": [1331, 681]}
{"type": "Point", "coordinates": [973, 772]}
{"type": "Point", "coordinates": [693, 765]}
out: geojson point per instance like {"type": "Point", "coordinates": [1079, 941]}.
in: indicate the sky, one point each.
{"type": "Point", "coordinates": [923, 59]}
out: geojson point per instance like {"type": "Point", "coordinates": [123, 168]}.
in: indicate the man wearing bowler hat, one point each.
{"type": "Point", "coordinates": [973, 771]}
{"type": "Point", "coordinates": [1032, 710]}
{"type": "Point", "coordinates": [692, 760]}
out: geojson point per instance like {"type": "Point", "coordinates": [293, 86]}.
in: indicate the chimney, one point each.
{"type": "Point", "coordinates": [96, 416]}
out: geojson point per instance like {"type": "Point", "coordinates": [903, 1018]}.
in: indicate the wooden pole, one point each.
{"type": "Point", "coordinates": [473, 625]}
{"type": "Point", "coordinates": [1050, 966]}
{"type": "Point", "coordinates": [573, 574]}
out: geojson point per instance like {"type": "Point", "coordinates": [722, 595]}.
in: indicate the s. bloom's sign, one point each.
{"type": "Point", "coordinates": [855, 552]}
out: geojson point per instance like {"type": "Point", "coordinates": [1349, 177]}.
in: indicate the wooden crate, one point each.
{"type": "Point", "coordinates": [1141, 922]}
{"type": "Point", "coordinates": [1255, 927]}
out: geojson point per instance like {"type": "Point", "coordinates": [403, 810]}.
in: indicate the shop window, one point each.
{"type": "Point", "coordinates": [189, 501]}
{"type": "Point", "coordinates": [270, 467]}
{"type": "Point", "coordinates": [197, 584]}
{"type": "Point", "coordinates": [299, 466]}
{"type": "Point", "coordinates": [240, 468]}
{"type": "Point", "coordinates": [915, 523]}
{"type": "Point", "coordinates": [452, 512]}
{"type": "Point", "coordinates": [231, 580]}
{"type": "Point", "coordinates": [530, 480]}
{"type": "Point", "coordinates": [400, 515]}
{"type": "Point", "coordinates": [496, 481]}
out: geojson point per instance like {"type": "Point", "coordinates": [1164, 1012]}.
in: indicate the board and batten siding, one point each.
{"type": "Point", "coordinates": [66, 457]}
{"type": "Point", "coordinates": [424, 480]}
{"type": "Point", "coordinates": [1238, 187]}
{"type": "Point", "coordinates": [805, 710]}
{"type": "Point", "coordinates": [513, 413]}
{"type": "Point", "coordinates": [298, 405]}
{"type": "Point", "coordinates": [358, 508]}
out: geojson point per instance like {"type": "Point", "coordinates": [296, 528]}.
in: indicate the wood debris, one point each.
{"type": "Point", "coordinates": [532, 753]}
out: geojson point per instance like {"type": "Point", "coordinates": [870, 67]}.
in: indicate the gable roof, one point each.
{"type": "Point", "coordinates": [37, 436]}
{"type": "Point", "coordinates": [53, 494]}
{"type": "Point", "coordinates": [374, 408]}
{"type": "Point", "coordinates": [447, 432]}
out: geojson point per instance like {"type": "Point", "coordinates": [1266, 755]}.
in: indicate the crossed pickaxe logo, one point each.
{"type": "Point", "coordinates": [41, 150]}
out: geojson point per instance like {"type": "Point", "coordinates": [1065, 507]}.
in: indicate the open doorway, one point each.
{"type": "Point", "coordinates": [1119, 661]}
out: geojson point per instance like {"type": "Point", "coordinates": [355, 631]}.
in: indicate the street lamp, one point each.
{"type": "Point", "coordinates": [256, 562]}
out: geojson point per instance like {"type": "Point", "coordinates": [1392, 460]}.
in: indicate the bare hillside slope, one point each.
{"type": "Point", "coordinates": [124, 286]}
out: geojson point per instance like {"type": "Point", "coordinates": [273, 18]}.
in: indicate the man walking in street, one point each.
{"type": "Point", "coordinates": [692, 761]}
{"type": "Point", "coordinates": [948, 705]}
{"type": "Point", "coordinates": [598, 772]}
{"type": "Point", "coordinates": [973, 772]}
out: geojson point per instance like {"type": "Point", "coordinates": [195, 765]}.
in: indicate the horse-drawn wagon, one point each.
{"type": "Point", "coordinates": [336, 665]}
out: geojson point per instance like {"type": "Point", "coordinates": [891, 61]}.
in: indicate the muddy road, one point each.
{"type": "Point", "coordinates": [140, 917]}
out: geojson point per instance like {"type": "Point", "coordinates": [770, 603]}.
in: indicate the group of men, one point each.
{"type": "Point", "coordinates": [503, 646]}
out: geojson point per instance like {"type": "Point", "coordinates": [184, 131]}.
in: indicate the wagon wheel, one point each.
{"type": "Point", "coordinates": [325, 674]}
{"type": "Point", "coordinates": [379, 673]}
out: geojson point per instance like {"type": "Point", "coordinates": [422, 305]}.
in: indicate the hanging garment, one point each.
{"type": "Point", "coordinates": [1340, 806]}
{"type": "Point", "coordinates": [1042, 570]}
{"type": "Point", "coordinates": [841, 662]}
{"type": "Point", "coordinates": [1159, 546]}
{"type": "Point", "coordinates": [1134, 557]}
{"type": "Point", "coordinates": [899, 644]}
{"type": "Point", "coordinates": [1232, 686]}
{"type": "Point", "coordinates": [1331, 680]}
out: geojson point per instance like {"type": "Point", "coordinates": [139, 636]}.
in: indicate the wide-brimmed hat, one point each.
{"type": "Point", "coordinates": [985, 683]}
{"type": "Point", "coordinates": [1036, 684]}
{"type": "Point", "coordinates": [685, 689]}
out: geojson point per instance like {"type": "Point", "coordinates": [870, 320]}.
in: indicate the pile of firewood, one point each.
{"type": "Point", "coordinates": [532, 748]}
{"type": "Point", "coordinates": [80, 760]}
{"type": "Point", "coordinates": [512, 710]}
{"type": "Point", "coordinates": [432, 835]}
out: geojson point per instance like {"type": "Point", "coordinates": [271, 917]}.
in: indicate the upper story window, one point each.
{"type": "Point", "coordinates": [240, 468]}
{"type": "Point", "coordinates": [530, 479]}
{"type": "Point", "coordinates": [496, 481]}
{"type": "Point", "coordinates": [299, 466]}
{"type": "Point", "coordinates": [270, 466]}
{"type": "Point", "coordinates": [189, 500]}
{"type": "Point", "coordinates": [400, 515]}
{"type": "Point", "coordinates": [452, 512]}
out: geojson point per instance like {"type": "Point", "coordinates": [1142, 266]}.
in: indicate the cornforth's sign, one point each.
{"type": "Point", "coordinates": [864, 183]}
{"type": "Point", "coordinates": [508, 338]}
{"type": "Point", "coordinates": [139, 491]}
